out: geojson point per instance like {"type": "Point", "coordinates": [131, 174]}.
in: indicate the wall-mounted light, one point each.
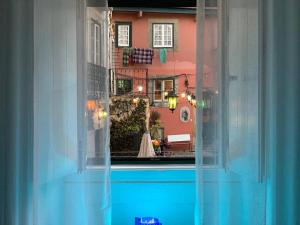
{"type": "Point", "coordinates": [91, 105]}
{"type": "Point", "coordinates": [140, 14]}
{"type": "Point", "coordinates": [140, 88]}
{"type": "Point", "coordinates": [172, 100]}
{"type": "Point", "coordinates": [183, 95]}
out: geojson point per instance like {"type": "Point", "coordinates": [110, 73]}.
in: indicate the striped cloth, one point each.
{"type": "Point", "coordinates": [143, 55]}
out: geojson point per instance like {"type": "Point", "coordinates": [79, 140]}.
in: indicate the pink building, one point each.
{"type": "Point", "coordinates": [171, 34]}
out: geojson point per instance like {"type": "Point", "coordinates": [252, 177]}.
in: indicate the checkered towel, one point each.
{"type": "Point", "coordinates": [143, 55]}
{"type": "Point", "coordinates": [127, 54]}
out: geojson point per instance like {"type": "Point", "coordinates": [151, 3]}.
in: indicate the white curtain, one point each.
{"type": "Point", "coordinates": [66, 190]}
{"type": "Point", "coordinates": [234, 191]}
{"type": "Point", "coordinates": [282, 109]}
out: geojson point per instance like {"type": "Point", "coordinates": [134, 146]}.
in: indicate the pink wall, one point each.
{"type": "Point", "coordinates": [181, 60]}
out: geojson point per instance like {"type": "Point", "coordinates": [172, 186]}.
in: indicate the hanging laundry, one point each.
{"type": "Point", "coordinates": [163, 55]}
{"type": "Point", "coordinates": [127, 54]}
{"type": "Point", "coordinates": [143, 55]}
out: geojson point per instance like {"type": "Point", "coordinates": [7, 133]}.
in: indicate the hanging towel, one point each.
{"type": "Point", "coordinates": [127, 53]}
{"type": "Point", "coordinates": [163, 55]}
{"type": "Point", "coordinates": [143, 55]}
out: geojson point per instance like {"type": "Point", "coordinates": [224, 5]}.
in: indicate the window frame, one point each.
{"type": "Point", "coordinates": [122, 23]}
{"type": "Point", "coordinates": [162, 100]}
{"type": "Point", "coordinates": [92, 54]}
{"type": "Point", "coordinates": [97, 54]}
{"type": "Point", "coordinates": [117, 88]}
{"type": "Point", "coordinates": [172, 39]}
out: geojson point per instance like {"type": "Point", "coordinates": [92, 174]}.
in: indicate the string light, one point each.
{"type": "Point", "coordinates": [102, 114]}
{"type": "Point", "coordinates": [135, 100]}
{"type": "Point", "coordinates": [189, 98]}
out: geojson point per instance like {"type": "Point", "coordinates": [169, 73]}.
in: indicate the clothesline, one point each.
{"type": "Point", "coordinates": [153, 78]}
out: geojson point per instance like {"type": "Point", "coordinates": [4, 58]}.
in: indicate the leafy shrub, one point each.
{"type": "Point", "coordinates": [126, 133]}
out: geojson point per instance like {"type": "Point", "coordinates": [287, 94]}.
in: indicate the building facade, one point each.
{"type": "Point", "coordinates": [170, 37]}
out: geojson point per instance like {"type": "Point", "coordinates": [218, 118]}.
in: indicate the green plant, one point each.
{"type": "Point", "coordinates": [126, 133]}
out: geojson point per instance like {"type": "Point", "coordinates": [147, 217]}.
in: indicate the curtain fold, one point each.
{"type": "Point", "coordinates": [281, 68]}
{"type": "Point", "coordinates": [43, 174]}
{"type": "Point", "coordinates": [66, 191]}
{"type": "Point", "coordinates": [16, 112]}
{"type": "Point", "coordinates": [233, 192]}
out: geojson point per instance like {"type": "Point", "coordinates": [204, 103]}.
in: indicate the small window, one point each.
{"type": "Point", "coordinates": [95, 34]}
{"type": "Point", "coordinates": [163, 35]}
{"type": "Point", "coordinates": [95, 46]}
{"type": "Point", "coordinates": [124, 86]}
{"type": "Point", "coordinates": [123, 34]}
{"type": "Point", "coordinates": [161, 89]}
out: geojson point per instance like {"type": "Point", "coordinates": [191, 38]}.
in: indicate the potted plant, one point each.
{"type": "Point", "coordinates": [156, 145]}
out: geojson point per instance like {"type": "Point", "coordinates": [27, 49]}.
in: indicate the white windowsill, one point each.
{"type": "Point", "coordinates": [154, 167]}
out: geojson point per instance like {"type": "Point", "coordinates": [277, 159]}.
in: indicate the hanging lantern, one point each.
{"type": "Point", "coordinates": [202, 104]}
{"type": "Point", "coordinates": [172, 100]}
{"type": "Point", "coordinates": [91, 105]}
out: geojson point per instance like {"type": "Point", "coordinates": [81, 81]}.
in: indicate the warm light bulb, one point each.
{"type": "Point", "coordinates": [100, 114]}
{"type": "Point", "coordinates": [91, 105]}
{"type": "Point", "coordinates": [183, 95]}
{"type": "Point", "coordinates": [189, 98]}
{"type": "Point", "coordinates": [166, 93]}
{"type": "Point", "coordinates": [140, 88]}
{"type": "Point", "coordinates": [135, 100]}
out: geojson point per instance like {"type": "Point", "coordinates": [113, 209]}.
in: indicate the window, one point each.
{"type": "Point", "coordinates": [123, 34]}
{"type": "Point", "coordinates": [95, 34]}
{"type": "Point", "coordinates": [161, 89]}
{"type": "Point", "coordinates": [163, 35]}
{"type": "Point", "coordinates": [124, 86]}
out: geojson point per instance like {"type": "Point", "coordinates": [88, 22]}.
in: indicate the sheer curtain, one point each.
{"type": "Point", "coordinates": [16, 111]}
{"type": "Point", "coordinates": [44, 179]}
{"type": "Point", "coordinates": [65, 190]}
{"type": "Point", "coordinates": [233, 193]}
{"type": "Point", "coordinates": [282, 109]}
